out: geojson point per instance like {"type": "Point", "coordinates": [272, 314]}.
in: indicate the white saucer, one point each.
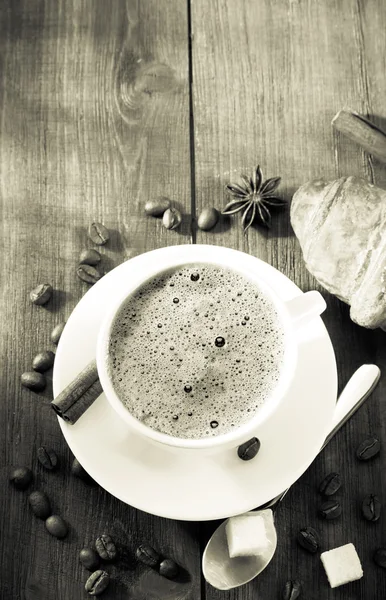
{"type": "Point", "coordinates": [184, 485]}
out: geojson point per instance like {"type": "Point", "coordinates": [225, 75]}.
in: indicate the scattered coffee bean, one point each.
{"type": "Point", "coordinates": [147, 555]}
{"type": "Point", "coordinates": [47, 458]}
{"type": "Point", "coordinates": [330, 484]}
{"type": "Point", "coordinates": [57, 332]}
{"type": "Point", "coordinates": [171, 218]}
{"type": "Point", "coordinates": [89, 558]}
{"type": "Point", "coordinates": [371, 508]}
{"type": "Point", "coordinates": [379, 557]}
{"type": "Point", "coordinates": [89, 257]}
{"type": "Point", "coordinates": [208, 218]}
{"type": "Point", "coordinates": [21, 477]}
{"type": "Point", "coordinates": [40, 504]}
{"type": "Point", "coordinates": [168, 568]}
{"type": "Point", "coordinates": [78, 471]}
{"type": "Point", "coordinates": [43, 361]}
{"type": "Point", "coordinates": [249, 449]}
{"type": "Point", "coordinates": [41, 294]}
{"type": "Point", "coordinates": [56, 526]}
{"type": "Point", "coordinates": [105, 547]}
{"type": "Point", "coordinates": [98, 234]}
{"type": "Point", "coordinates": [97, 583]}
{"type": "Point", "coordinates": [330, 509]}
{"type": "Point", "coordinates": [308, 538]}
{"type": "Point", "coordinates": [88, 273]}
{"type": "Point", "coordinates": [33, 381]}
{"type": "Point", "coordinates": [292, 590]}
{"type": "Point", "coordinates": [369, 448]}
{"type": "Point", "coordinates": [157, 207]}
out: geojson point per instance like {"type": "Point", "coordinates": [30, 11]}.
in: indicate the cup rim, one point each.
{"type": "Point", "coordinates": [185, 255]}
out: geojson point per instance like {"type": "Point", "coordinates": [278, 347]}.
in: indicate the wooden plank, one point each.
{"type": "Point", "coordinates": [268, 77]}
{"type": "Point", "coordinates": [94, 122]}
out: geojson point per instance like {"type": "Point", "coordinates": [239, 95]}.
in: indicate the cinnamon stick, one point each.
{"type": "Point", "coordinates": [361, 131]}
{"type": "Point", "coordinates": [78, 396]}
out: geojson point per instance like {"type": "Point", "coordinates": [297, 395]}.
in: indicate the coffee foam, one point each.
{"type": "Point", "coordinates": [196, 351]}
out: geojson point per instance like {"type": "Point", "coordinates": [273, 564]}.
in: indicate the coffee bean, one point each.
{"type": "Point", "coordinates": [43, 361]}
{"type": "Point", "coordinates": [89, 558]}
{"type": "Point", "coordinates": [78, 471]}
{"type": "Point", "coordinates": [56, 526]}
{"type": "Point", "coordinates": [41, 294]}
{"type": "Point", "coordinates": [21, 477]}
{"type": "Point", "coordinates": [330, 509]}
{"type": "Point", "coordinates": [105, 547]}
{"type": "Point", "coordinates": [208, 218]}
{"type": "Point", "coordinates": [47, 458]}
{"type": "Point", "coordinates": [292, 590]}
{"type": "Point", "coordinates": [57, 332]}
{"type": "Point", "coordinates": [33, 381]}
{"type": "Point", "coordinates": [379, 557]}
{"type": "Point", "coordinates": [168, 568]}
{"type": "Point", "coordinates": [308, 538]}
{"type": "Point", "coordinates": [156, 208]}
{"type": "Point", "coordinates": [147, 555]}
{"type": "Point", "coordinates": [172, 218]}
{"type": "Point", "coordinates": [330, 484]}
{"type": "Point", "coordinates": [89, 257]}
{"type": "Point", "coordinates": [369, 448]}
{"type": "Point", "coordinates": [98, 234]}
{"type": "Point", "coordinates": [371, 508]}
{"type": "Point", "coordinates": [249, 449]}
{"type": "Point", "coordinates": [97, 583]}
{"type": "Point", "coordinates": [88, 273]}
{"type": "Point", "coordinates": [40, 504]}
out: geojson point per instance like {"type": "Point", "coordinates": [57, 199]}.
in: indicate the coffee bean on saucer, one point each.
{"type": "Point", "coordinates": [89, 257]}
{"type": "Point", "coordinates": [21, 477]}
{"type": "Point", "coordinates": [43, 361]}
{"type": "Point", "coordinates": [56, 526]}
{"type": "Point", "coordinates": [105, 547]}
{"type": "Point", "coordinates": [89, 558]}
{"type": "Point", "coordinates": [97, 583]}
{"type": "Point", "coordinates": [330, 509]}
{"type": "Point", "coordinates": [369, 448]}
{"type": "Point", "coordinates": [33, 381]}
{"type": "Point", "coordinates": [57, 332]}
{"type": "Point", "coordinates": [249, 449]}
{"type": "Point", "coordinates": [371, 508]}
{"type": "Point", "coordinates": [157, 207]}
{"type": "Point", "coordinates": [168, 568]}
{"type": "Point", "coordinates": [41, 294]}
{"type": "Point", "coordinates": [308, 538]}
{"type": "Point", "coordinates": [88, 273]}
{"type": "Point", "coordinates": [292, 590]}
{"type": "Point", "coordinates": [98, 234]}
{"type": "Point", "coordinates": [147, 555]}
{"type": "Point", "coordinates": [379, 557]}
{"type": "Point", "coordinates": [47, 458]}
{"type": "Point", "coordinates": [330, 484]}
{"type": "Point", "coordinates": [40, 504]}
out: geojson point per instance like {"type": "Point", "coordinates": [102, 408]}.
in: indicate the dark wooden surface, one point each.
{"type": "Point", "coordinates": [105, 105]}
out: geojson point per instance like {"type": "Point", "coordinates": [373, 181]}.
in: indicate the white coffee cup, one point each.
{"type": "Point", "coordinates": [293, 314]}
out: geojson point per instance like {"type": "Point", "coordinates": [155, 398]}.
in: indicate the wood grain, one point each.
{"type": "Point", "coordinates": [268, 77]}
{"type": "Point", "coordinates": [94, 122]}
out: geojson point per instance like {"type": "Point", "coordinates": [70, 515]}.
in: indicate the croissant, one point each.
{"type": "Point", "coordinates": [341, 227]}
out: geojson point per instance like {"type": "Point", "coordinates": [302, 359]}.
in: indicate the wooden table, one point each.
{"type": "Point", "coordinates": [105, 105]}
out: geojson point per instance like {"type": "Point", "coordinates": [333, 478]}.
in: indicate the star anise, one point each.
{"type": "Point", "coordinates": [255, 198]}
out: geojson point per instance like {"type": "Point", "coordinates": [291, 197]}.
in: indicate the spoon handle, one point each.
{"type": "Point", "coordinates": [358, 388]}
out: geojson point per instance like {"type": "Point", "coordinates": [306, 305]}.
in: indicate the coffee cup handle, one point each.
{"type": "Point", "coordinates": [305, 307]}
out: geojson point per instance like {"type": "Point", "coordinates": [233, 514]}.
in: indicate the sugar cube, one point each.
{"type": "Point", "coordinates": [246, 535]}
{"type": "Point", "coordinates": [342, 565]}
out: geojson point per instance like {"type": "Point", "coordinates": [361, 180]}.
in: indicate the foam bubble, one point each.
{"type": "Point", "coordinates": [183, 376]}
